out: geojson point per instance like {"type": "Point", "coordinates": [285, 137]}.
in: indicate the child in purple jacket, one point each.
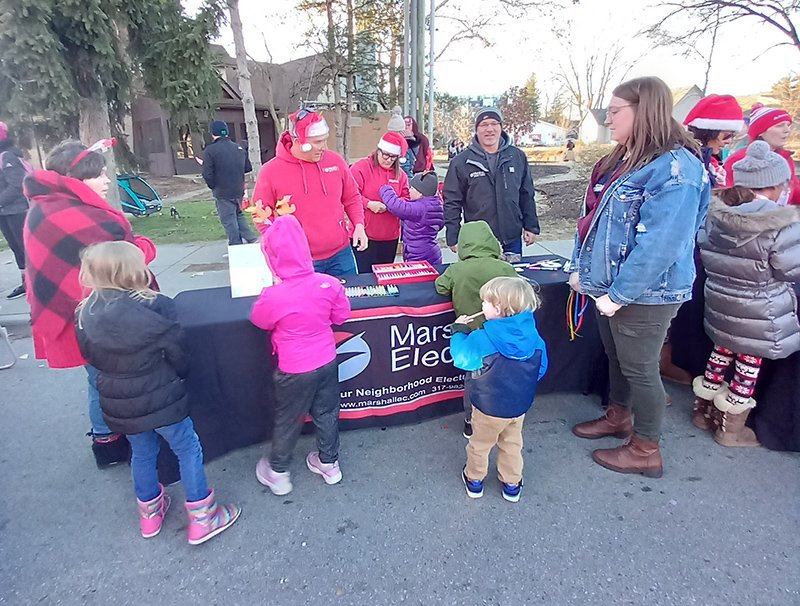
{"type": "Point", "coordinates": [422, 216]}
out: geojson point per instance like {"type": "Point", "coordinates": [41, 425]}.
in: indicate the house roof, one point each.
{"type": "Point", "coordinates": [292, 82]}
{"type": "Point", "coordinates": [599, 115]}
{"type": "Point", "coordinates": [679, 94]}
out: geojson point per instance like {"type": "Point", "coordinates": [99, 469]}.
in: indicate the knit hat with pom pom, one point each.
{"type": "Point", "coordinates": [761, 168]}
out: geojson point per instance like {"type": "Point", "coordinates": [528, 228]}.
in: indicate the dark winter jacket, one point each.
{"type": "Point", "coordinates": [478, 262]}
{"type": "Point", "coordinates": [138, 348]}
{"type": "Point", "coordinates": [224, 166]}
{"type": "Point", "coordinates": [507, 358]}
{"type": "Point", "coordinates": [423, 219]}
{"type": "Point", "coordinates": [12, 173]}
{"type": "Point", "coordinates": [503, 198]}
{"type": "Point", "coordinates": [751, 254]}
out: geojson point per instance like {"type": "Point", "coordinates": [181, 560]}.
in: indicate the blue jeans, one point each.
{"type": "Point", "coordinates": [184, 442]}
{"type": "Point", "coordinates": [342, 263]}
{"type": "Point", "coordinates": [99, 427]}
{"type": "Point", "coordinates": [513, 247]}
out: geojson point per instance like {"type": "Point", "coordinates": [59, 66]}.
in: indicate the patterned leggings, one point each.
{"type": "Point", "coordinates": [744, 377]}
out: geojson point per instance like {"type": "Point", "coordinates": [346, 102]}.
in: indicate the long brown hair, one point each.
{"type": "Point", "coordinates": [395, 164]}
{"type": "Point", "coordinates": [655, 131]}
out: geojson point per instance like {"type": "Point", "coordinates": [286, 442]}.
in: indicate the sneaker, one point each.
{"type": "Point", "coordinates": [17, 292]}
{"type": "Point", "coordinates": [467, 433]}
{"type": "Point", "coordinates": [330, 472]}
{"type": "Point", "coordinates": [279, 483]}
{"type": "Point", "coordinates": [511, 492]}
{"type": "Point", "coordinates": [474, 489]}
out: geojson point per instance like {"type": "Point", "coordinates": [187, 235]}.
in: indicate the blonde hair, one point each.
{"type": "Point", "coordinates": [655, 132]}
{"type": "Point", "coordinates": [115, 266]}
{"type": "Point", "coordinates": [511, 295]}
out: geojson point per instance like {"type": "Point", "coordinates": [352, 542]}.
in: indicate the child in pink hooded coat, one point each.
{"type": "Point", "coordinates": [299, 309]}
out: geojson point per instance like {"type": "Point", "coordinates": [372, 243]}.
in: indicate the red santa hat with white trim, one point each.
{"type": "Point", "coordinates": [305, 124]}
{"type": "Point", "coordinates": [716, 112]}
{"type": "Point", "coordinates": [394, 144]}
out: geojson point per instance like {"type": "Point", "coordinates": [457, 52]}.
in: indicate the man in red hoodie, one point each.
{"type": "Point", "coordinates": [316, 185]}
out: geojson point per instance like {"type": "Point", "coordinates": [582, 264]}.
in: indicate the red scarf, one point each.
{"type": "Point", "coordinates": [593, 197]}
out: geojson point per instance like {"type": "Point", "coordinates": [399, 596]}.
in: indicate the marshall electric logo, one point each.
{"type": "Point", "coordinates": [353, 353]}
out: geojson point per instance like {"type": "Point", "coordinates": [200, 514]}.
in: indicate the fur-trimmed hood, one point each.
{"type": "Point", "coordinates": [732, 226]}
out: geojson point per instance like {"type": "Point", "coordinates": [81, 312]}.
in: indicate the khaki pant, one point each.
{"type": "Point", "coordinates": [486, 433]}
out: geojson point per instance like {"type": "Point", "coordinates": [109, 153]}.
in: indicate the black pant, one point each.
{"type": "Point", "coordinates": [378, 251]}
{"type": "Point", "coordinates": [315, 393]}
{"type": "Point", "coordinates": [633, 338]}
{"type": "Point", "coordinates": [11, 226]}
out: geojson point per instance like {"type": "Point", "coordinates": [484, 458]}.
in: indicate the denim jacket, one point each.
{"type": "Point", "coordinates": [640, 245]}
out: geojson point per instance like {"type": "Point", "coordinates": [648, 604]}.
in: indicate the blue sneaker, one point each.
{"type": "Point", "coordinates": [474, 489]}
{"type": "Point", "coordinates": [511, 492]}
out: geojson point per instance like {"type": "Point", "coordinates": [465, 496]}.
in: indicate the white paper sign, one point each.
{"type": "Point", "coordinates": [248, 270]}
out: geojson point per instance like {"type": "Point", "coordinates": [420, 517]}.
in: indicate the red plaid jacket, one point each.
{"type": "Point", "coordinates": [65, 216]}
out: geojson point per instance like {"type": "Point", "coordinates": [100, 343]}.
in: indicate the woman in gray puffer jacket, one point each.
{"type": "Point", "coordinates": [750, 247]}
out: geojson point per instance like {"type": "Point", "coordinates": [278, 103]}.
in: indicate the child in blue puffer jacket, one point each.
{"type": "Point", "coordinates": [506, 361]}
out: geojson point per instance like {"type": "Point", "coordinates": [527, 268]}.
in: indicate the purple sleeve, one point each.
{"type": "Point", "coordinates": [406, 210]}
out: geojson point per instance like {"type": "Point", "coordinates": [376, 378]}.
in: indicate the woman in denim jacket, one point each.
{"type": "Point", "coordinates": [634, 256]}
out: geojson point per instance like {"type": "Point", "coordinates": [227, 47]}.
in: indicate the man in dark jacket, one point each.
{"type": "Point", "coordinates": [490, 181]}
{"type": "Point", "coordinates": [13, 203]}
{"type": "Point", "coordinates": [224, 166]}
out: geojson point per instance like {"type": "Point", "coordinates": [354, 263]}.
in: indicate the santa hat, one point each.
{"type": "Point", "coordinates": [716, 112]}
{"type": "Point", "coordinates": [763, 118]}
{"type": "Point", "coordinates": [306, 124]}
{"type": "Point", "coordinates": [394, 144]}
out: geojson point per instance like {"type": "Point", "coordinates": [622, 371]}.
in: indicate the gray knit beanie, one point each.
{"type": "Point", "coordinates": [761, 168]}
{"type": "Point", "coordinates": [396, 123]}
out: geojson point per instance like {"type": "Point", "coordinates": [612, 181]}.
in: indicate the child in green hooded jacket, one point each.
{"type": "Point", "coordinates": [478, 262]}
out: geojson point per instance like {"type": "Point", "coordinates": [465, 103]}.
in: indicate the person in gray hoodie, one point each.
{"type": "Point", "coordinates": [750, 247]}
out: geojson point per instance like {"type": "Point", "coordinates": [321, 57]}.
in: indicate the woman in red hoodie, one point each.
{"type": "Point", "coordinates": [773, 125]}
{"type": "Point", "coordinates": [381, 168]}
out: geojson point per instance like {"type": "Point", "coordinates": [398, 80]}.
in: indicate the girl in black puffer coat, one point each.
{"type": "Point", "coordinates": [131, 335]}
{"type": "Point", "coordinates": [750, 247]}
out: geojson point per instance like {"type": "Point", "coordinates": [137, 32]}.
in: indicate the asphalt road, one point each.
{"type": "Point", "coordinates": [720, 528]}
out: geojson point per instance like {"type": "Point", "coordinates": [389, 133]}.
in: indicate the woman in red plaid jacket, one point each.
{"type": "Point", "coordinates": [68, 213]}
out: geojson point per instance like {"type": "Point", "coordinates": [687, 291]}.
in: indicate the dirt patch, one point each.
{"type": "Point", "coordinates": [539, 171]}
{"type": "Point", "coordinates": [180, 188]}
{"type": "Point", "coordinates": [559, 205]}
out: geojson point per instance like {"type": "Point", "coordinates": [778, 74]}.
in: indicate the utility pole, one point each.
{"type": "Point", "coordinates": [406, 49]}
{"type": "Point", "coordinates": [412, 104]}
{"type": "Point", "coordinates": [419, 114]}
{"type": "Point", "coordinates": [430, 74]}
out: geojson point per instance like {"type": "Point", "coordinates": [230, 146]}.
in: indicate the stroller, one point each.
{"type": "Point", "coordinates": [137, 197]}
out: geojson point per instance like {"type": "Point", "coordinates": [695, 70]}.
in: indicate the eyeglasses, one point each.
{"type": "Point", "coordinates": [486, 124]}
{"type": "Point", "coordinates": [726, 137]}
{"type": "Point", "coordinates": [613, 111]}
{"type": "Point", "coordinates": [388, 156]}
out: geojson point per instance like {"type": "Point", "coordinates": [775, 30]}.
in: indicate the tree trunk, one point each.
{"type": "Point", "coordinates": [335, 79]}
{"type": "Point", "coordinates": [245, 89]}
{"type": "Point", "coordinates": [351, 69]}
{"type": "Point", "coordinates": [95, 125]}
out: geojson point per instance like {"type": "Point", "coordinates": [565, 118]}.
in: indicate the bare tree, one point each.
{"type": "Point", "coordinates": [586, 81]}
{"type": "Point", "coordinates": [707, 14]}
{"type": "Point", "coordinates": [245, 88]}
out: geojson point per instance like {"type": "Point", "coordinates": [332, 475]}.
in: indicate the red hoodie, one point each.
{"type": "Point", "coordinates": [321, 192]}
{"type": "Point", "coordinates": [300, 309]}
{"type": "Point", "coordinates": [794, 197]}
{"type": "Point", "coordinates": [370, 179]}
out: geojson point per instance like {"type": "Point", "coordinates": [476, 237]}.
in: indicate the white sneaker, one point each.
{"type": "Point", "coordinates": [279, 483]}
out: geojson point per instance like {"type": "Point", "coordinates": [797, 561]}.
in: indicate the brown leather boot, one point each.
{"type": "Point", "coordinates": [616, 422]}
{"type": "Point", "coordinates": [733, 432]}
{"type": "Point", "coordinates": [634, 456]}
{"type": "Point", "coordinates": [669, 371]}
